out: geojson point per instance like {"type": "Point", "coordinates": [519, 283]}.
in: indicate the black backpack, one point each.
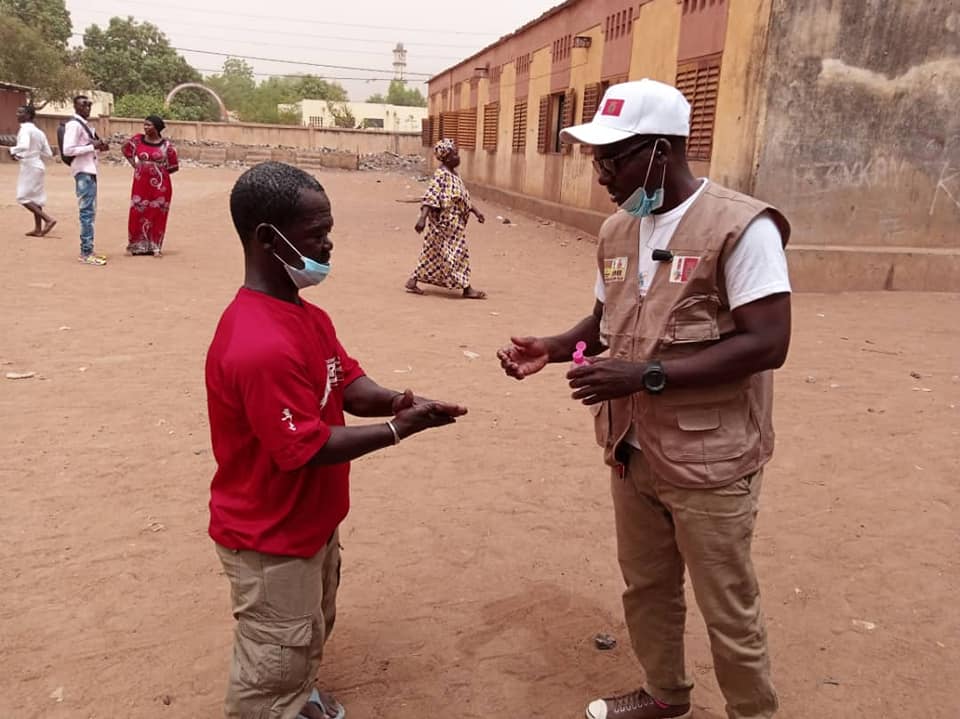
{"type": "Point", "coordinates": [61, 131]}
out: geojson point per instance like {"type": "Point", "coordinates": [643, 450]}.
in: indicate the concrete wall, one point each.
{"type": "Point", "coordinates": [861, 140]}
{"type": "Point", "coordinates": [362, 142]}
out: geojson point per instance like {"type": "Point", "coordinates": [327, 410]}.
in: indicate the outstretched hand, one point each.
{"type": "Point", "coordinates": [425, 414]}
{"type": "Point", "coordinates": [605, 379]}
{"type": "Point", "coordinates": [524, 356]}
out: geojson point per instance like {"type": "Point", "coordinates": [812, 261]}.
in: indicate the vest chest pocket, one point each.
{"type": "Point", "coordinates": [704, 433]}
{"type": "Point", "coordinates": [694, 319]}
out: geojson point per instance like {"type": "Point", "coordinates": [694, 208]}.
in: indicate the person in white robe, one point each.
{"type": "Point", "coordinates": [31, 149]}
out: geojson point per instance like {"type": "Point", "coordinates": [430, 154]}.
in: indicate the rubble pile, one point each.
{"type": "Point", "coordinates": [392, 162]}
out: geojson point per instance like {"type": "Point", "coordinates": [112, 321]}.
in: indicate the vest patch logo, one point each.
{"type": "Point", "coordinates": [613, 108]}
{"type": "Point", "coordinates": [683, 268]}
{"type": "Point", "coordinates": [614, 269]}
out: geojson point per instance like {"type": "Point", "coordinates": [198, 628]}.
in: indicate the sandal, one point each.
{"type": "Point", "coordinates": [413, 289]}
{"type": "Point", "coordinates": [471, 294]}
{"type": "Point", "coordinates": [328, 706]}
{"type": "Point", "coordinates": [92, 260]}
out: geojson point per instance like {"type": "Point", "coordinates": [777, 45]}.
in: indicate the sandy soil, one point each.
{"type": "Point", "coordinates": [479, 560]}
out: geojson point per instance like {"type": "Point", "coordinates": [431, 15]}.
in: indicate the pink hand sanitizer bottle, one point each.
{"type": "Point", "coordinates": [578, 358]}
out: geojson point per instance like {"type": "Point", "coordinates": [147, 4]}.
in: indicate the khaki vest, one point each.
{"type": "Point", "coordinates": [692, 437]}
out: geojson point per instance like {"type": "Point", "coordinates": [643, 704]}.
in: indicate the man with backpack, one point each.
{"type": "Point", "coordinates": [79, 148]}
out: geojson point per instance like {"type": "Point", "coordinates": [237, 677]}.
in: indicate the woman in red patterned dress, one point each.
{"type": "Point", "coordinates": [153, 160]}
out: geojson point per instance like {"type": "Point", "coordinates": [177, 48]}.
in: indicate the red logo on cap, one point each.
{"type": "Point", "coordinates": [613, 108]}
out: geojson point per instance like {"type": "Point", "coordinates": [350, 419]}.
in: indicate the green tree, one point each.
{"type": "Point", "coordinates": [254, 102]}
{"type": "Point", "coordinates": [311, 87]}
{"type": "Point", "coordinates": [50, 18]}
{"type": "Point", "coordinates": [236, 85]}
{"type": "Point", "coordinates": [400, 94]}
{"type": "Point", "coordinates": [130, 57]}
{"type": "Point", "coordinates": [195, 108]}
{"type": "Point", "coordinates": [26, 58]}
{"type": "Point", "coordinates": [342, 117]}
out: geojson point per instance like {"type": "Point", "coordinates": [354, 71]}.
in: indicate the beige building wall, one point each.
{"type": "Point", "coordinates": [741, 100]}
{"type": "Point", "coordinates": [578, 179]}
{"type": "Point", "coordinates": [102, 105]}
{"type": "Point", "coordinates": [656, 37]}
{"type": "Point", "coordinates": [395, 118]}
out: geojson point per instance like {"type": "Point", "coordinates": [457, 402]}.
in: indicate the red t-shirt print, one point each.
{"type": "Point", "coordinates": [275, 377]}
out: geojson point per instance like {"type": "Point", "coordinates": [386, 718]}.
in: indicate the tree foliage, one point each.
{"type": "Point", "coordinates": [400, 94]}
{"type": "Point", "coordinates": [50, 18]}
{"type": "Point", "coordinates": [133, 58]}
{"type": "Point", "coordinates": [342, 117]}
{"type": "Point", "coordinates": [195, 106]}
{"type": "Point", "coordinates": [28, 58]}
{"type": "Point", "coordinates": [253, 102]}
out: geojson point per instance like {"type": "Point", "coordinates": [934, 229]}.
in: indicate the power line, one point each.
{"type": "Point", "coordinates": [302, 21]}
{"type": "Point", "coordinates": [379, 53]}
{"type": "Point", "coordinates": [313, 36]}
{"type": "Point", "coordinates": [297, 62]}
{"type": "Point", "coordinates": [295, 75]}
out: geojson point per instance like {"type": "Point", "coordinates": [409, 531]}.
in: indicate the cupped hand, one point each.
{"type": "Point", "coordinates": [524, 356]}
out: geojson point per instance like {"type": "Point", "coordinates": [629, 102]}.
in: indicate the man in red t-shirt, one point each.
{"type": "Point", "coordinates": [278, 385]}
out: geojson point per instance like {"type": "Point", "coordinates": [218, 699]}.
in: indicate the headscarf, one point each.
{"type": "Point", "coordinates": [157, 122]}
{"type": "Point", "coordinates": [444, 149]}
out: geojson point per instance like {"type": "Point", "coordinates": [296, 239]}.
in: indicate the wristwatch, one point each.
{"type": "Point", "coordinates": [654, 378]}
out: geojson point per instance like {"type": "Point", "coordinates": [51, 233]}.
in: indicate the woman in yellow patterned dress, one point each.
{"type": "Point", "coordinates": [445, 259]}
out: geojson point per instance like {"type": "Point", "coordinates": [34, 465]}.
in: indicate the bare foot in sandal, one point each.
{"type": "Point", "coordinates": [411, 287]}
{"type": "Point", "coordinates": [321, 705]}
{"type": "Point", "coordinates": [47, 227]}
{"type": "Point", "coordinates": [471, 294]}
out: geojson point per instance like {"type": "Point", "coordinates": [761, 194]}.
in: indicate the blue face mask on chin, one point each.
{"type": "Point", "coordinates": [640, 204]}
{"type": "Point", "coordinates": [312, 273]}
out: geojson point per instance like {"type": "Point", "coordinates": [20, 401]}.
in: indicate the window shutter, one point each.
{"type": "Point", "coordinates": [425, 131]}
{"type": "Point", "coordinates": [591, 101]}
{"type": "Point", "coordinates": [467, 129]}
{"type": "Point", "coordinates": [520, 126]}
{"type": "Point", "coordinates": [543, 126]}
{"type": "Point", "coordinates": [491, 125]}
{"type": "Point", "coordinates": [448, 126]}
{"type": "Point", "coordinates": [699, 81]}
{"type": "Point", "coordinates": [569, 115]}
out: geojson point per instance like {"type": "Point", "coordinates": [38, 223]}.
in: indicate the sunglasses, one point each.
{"type": "Point", "coordinates": [610, 165]}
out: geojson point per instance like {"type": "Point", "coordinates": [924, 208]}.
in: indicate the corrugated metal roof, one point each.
{"type": "Point", "coordinates": [14, 86]}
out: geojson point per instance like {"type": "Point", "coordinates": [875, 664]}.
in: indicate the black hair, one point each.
{"type": "Point", "coordinates": [157, 122]}
{"type": "Point", "coordinates": [30, 111]}
{"type": "Point", "coordinates": [268, 193]}
{"type": "Point", "coordinates": [78, 98]}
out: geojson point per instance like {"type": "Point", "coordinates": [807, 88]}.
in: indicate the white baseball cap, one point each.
{"type": "Point", "coordinates": [643, 107]}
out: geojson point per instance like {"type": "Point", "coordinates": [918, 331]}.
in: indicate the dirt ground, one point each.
{"type": "Point", "coordinates": [479, 560]}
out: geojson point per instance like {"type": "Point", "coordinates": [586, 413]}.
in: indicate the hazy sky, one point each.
{"type": "Point", "coordinates": [358, 35]}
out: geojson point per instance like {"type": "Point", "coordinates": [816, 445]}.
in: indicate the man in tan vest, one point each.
{"type": "Point", "coordinates": [693, 304]}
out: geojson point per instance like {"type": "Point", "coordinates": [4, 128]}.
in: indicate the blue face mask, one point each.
{"type": "Point", "coordinates": [640, 204]}
{"type": "Point", "coordinates": [312, 273]}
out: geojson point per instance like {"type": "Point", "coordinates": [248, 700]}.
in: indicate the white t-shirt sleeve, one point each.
{"type": "Point", "coordinates": [599, 290]}
{"type": "Point", "coordinates": [757, 267]}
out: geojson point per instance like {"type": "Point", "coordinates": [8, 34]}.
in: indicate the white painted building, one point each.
{"type": "Point", "coordinates": [367, 115]}
{"type": "Point", "coordinates": [102, 105]}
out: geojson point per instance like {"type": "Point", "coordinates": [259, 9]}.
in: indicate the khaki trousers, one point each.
{"type": "Point", "coordinates": [285, 609]}
{"type": "Point", "coordinates": [660, 529]}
